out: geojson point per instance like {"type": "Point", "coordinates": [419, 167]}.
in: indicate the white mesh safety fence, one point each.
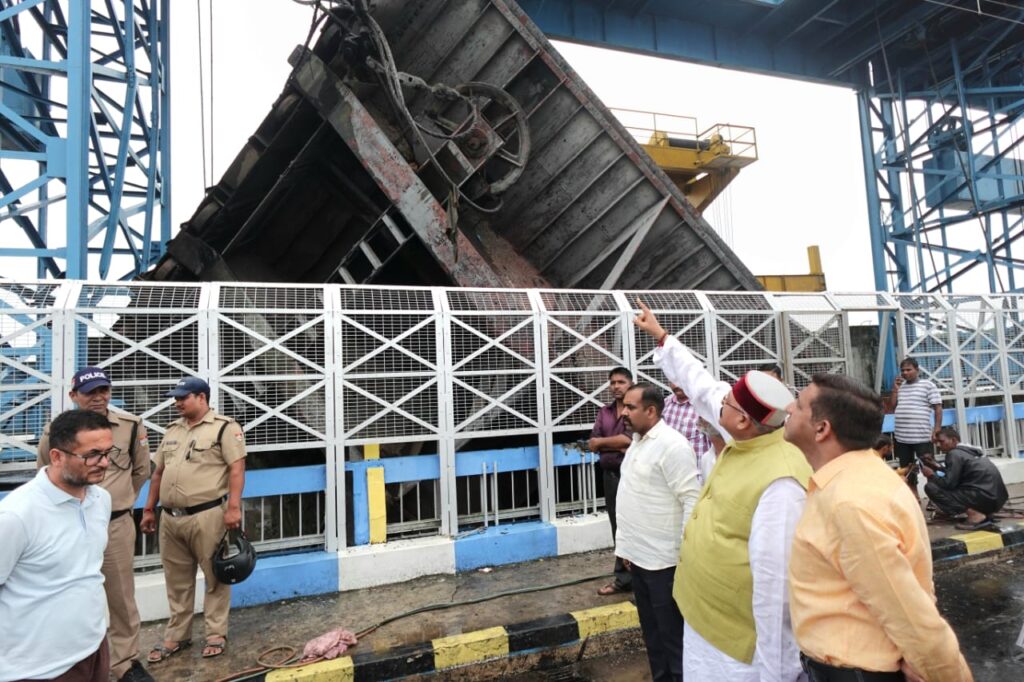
{"type": "Point", "coordinates": [313, 373]}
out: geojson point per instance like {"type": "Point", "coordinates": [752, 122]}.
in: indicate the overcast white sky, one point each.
{"type": "Point", "coordinates": [806, 188]}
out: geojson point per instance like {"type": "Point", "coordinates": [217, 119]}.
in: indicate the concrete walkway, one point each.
{"type": "Point", "coordinates": [533, 624]}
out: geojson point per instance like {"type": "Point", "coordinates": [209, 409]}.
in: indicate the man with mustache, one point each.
{"type": "Point", "coordinates": [730, 583]}
{"type": "Point", "coordinates": [660, 484]}
{"type": "Point", "coordinates": [53, 613]}
{"type": "Point", "coordinates": [200, 473]}
{"type": "Point", "coordinates": [610, 438]}
{"type": "Point", "coordinates": [862, 595]}
{"type": "Point", "coordinates": [125, 476]}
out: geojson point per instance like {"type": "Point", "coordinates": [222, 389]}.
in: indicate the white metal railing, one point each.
{"type": "Point", "coordinates": [314, 372]}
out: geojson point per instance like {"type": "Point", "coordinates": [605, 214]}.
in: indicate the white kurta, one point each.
{"type": "Point", "coordinates": [657, 493]}
{"type": "Point", "coordinates": [776, 656]}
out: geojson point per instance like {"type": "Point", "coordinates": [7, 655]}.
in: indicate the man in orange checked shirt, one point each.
{"type": "Point", "coordinates": [861, 593]}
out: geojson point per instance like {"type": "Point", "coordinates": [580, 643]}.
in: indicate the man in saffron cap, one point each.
{"type": "Point", "coordinates": [730, 583]}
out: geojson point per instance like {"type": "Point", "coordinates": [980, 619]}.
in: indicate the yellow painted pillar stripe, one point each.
{"type": "Point", "coordinates": [608, 618]}
{"type": "Point", "coordinates": [375, 496]}
{"type": "Point", "coordinates": [378, 510]}
{"type": "Point", "coordinates": [980, 541]}
{"type": "Point", "coordinates": [338, 670]}
{"type": "Point", "coordinates": [470, 647]}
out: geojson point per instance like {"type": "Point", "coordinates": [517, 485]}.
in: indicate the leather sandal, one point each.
{"type": "Point", "coordinates": [160, 652]}
{"type": "Point", "coordinates": [218, 647]}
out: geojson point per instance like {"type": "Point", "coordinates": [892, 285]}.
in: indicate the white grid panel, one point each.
{"type": "Point", "coordinates": [334, 366]}
{"type": "Point", "coordinates": [816, 337]}
{"type": "Point", "coordinates": [679, 312]}
{"type": "Point", "coordinates": [146, 337]}
{"type": "Point", "coordinates": [271, 366]}
{"type": "Point", "coordinates": [745, 333]}
{"type": "Point", "coordinates": [924, 331]}
{"type": "Point", "coordinates": [30, 341]}
{"type": "Point", "coordinates": [977, 324]}
{"type": "Point", "coordinates": [584, 339]}
{"type": "Point", "coordinates": [390, 365]}
{"type": "Point", "coordinates": [1012, 320]}
{"type": "Point", "coordinates": [866, 301]}
{"type": "Point", "coordinates": [493, 356]}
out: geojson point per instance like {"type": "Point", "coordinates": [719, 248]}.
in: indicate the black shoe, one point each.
{"type": "Point", "coordinates": [136, 673]}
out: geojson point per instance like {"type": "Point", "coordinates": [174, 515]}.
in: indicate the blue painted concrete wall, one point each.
{"type": "Point", "coordinates": [506, 544]}
{"type": "Point", "coordinates": [286, 577]}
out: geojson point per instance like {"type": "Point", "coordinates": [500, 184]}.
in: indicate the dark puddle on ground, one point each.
{"type": "Point", "coordinates": [984, 602]}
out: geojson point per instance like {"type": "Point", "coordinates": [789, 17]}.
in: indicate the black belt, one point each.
{"type": "Point", "coordinates": [822, 672]}
{"type": "Point", "coordinates": [195, 509]}
{"type": "Point", "coordinates": [118, 514]}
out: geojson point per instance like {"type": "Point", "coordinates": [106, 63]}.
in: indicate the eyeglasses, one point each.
{"type": "Point", "coordinates": [94, 457]}
{"type": "Point", "coordinates": [738, 409]}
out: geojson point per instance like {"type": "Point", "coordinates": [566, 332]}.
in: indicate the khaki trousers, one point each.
{"type": "Point", "coordinates": [185, 542]}
{"type": "Point", "coordinates": [119, 584]}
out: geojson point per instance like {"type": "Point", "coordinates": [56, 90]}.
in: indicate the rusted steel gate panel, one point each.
{"type": "Point", "coordinates": [445, 142]}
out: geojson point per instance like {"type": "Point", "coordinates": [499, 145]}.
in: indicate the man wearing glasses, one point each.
{"type": "Point", "coordinates": [200, 473]}
{"type": "Point", "coordinates": [128, 470]}
{"type": "Point", "coordinates": [53, 614]}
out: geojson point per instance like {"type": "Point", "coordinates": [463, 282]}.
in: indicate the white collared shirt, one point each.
{"type": "Point", "coordinates": [53, 611]}
{"type": "Point", "coordinates": [659, 487]}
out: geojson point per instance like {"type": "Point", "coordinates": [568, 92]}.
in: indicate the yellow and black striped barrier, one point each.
{"type": "Point", "coordinates": [551, 632]}
{"type": "Point", "coordinates": [472, 647]}
{"type": "Point", "coordinates": [978, 542]}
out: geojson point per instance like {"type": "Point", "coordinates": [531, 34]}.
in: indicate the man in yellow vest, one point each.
{"type": "Point", "coordinates": [730, 583]}
{"type": "Point", "coordinates": [861, 590]}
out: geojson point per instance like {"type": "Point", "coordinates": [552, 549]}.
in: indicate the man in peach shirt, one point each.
{"type": "Point", "coordinates": [861, 593]}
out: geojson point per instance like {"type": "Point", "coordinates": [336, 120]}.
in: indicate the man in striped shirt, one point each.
{"type": "Point", "coordinates": [918, 416]}
{"type": "Point", "coordinates": [681, 416]}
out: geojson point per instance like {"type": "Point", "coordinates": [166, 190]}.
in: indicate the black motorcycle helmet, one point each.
{"type": "Point", "coordinates": [234, 559]}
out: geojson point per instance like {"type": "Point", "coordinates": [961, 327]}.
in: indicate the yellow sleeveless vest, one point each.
{"type": "Point", "coordinates": [713, 583]}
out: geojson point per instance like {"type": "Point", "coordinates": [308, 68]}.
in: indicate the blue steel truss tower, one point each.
{"type": "Point", "coordinates": [84, 135]}
{"type": "Point", "coordinates": [943, 168]}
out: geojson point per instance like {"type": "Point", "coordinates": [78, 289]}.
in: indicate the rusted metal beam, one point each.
{"type": "Point", "coordinates": [340, 107]}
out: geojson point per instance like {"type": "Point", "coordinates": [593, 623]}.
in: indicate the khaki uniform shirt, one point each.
{"type": "Point", "coordinates": [128, 471]}
{"type": "Point", "coordinates": [196, 461]}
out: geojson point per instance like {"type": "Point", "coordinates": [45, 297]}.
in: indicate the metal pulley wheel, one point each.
{"type": "Point", "coordinates": [494, 126]}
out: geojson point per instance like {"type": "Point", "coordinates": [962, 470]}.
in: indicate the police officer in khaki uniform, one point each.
{"type": "Point", "coordinates": [200, 473]}
{"type": "Point", "coordinates": [129, 468]}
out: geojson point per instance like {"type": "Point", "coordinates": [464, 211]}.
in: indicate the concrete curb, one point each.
{"type": "Point", "coordinates": [978, 542]}
{"type": "Point", "coordinates": [469, 648]}
{"type": "Point", "coordinates": [553, 632]}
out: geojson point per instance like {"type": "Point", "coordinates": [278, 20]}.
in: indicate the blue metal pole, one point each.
{"type": "Point", "coordinates": [77, 143]}
{"type": "Point", "coordinates": [114, 220]}
{"type": "Point", "coordinates": [878, 235]}
{"type": "Point", "coordinates": [971, 170]}
{"type": "Point", "coordinates": [877, 230]}
{"type": "Point", "coordinates": [165, 125]}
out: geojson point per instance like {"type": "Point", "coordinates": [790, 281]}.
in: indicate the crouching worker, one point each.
{"type": "Point", "coordinates": [968, 482]}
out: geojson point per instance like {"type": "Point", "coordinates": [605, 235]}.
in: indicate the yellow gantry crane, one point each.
{"type": "Point", "coordinates": [700, 162]}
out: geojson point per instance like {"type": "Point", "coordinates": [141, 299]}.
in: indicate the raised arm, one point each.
{"type": "Point", "coordinates": [685, 370]}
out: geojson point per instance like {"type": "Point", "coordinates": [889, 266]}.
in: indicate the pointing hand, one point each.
{"type": "Point", "coordinates": [648, 322]}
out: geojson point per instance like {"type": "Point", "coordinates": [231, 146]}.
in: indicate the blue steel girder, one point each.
{"type": "Point", "coordinates": [944, 173]}
{"type": "Point", "coordinates": [84, 135]}
{"type": "Point", "coordinates": [819, 40]}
